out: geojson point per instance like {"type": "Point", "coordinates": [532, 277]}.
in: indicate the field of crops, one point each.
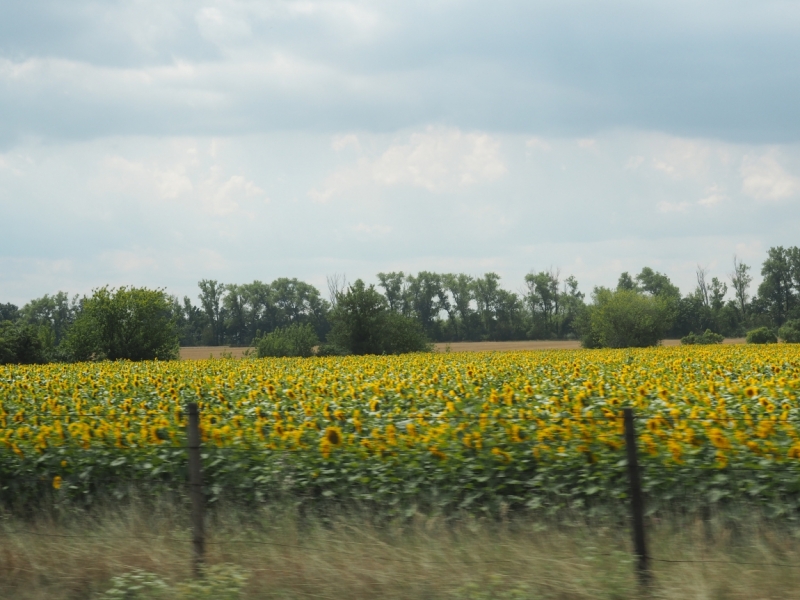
{"type": "Point", "coordinates": [482, 431]}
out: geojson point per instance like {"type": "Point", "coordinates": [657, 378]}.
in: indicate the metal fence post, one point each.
{"type": "Point", "coordinates": [637, 502]}
{"type": "Point", "coordinates": [196, 490]}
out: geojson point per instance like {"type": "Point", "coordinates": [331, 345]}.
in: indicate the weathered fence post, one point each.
{"type": "Point", "coordinates": [196, 490]}
{"type": "Point", "coordinates": [637, 502]}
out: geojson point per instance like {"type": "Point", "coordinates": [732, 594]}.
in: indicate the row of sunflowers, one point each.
{"type": "Point", "coordinates": [474, 431]}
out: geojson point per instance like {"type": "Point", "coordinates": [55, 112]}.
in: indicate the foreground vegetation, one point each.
{"type": "Point", "coordinates": [483, 433]}
{"type": "Point", "coordinates": [275, 552]}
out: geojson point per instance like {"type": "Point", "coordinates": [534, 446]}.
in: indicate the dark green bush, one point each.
{"type": "Point", "coordinates": [790, 332]}
{"type": "Point", "coordinates": [762, 335]}
{"type": "Point", "coordinates": [708, 337]}
{"type": "Point", "coordinates": [362, 323]}
{"type": "Point", "coordinates": [295, 340]}
{"type": "Point", "coordinates": [20, 344]}
{"type": "Point", "coordinates": [625, 319]}
{"type": "Point", "coordinates": [125, 323]}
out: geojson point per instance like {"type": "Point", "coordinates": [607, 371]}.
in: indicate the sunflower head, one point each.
{"type": "Point", "coordinates": [333, 435]}
{"type": "Point", "coordinates": [751, 391]}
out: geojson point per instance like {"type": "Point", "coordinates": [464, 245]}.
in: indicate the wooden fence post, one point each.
{"type": "Point", "coordinates": [196, 490]}
{"type": "Point", "coordinates": [637, 502]}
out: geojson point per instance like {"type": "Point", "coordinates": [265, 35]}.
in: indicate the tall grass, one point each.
{"type": "Point", "coordinates": [71, 555]}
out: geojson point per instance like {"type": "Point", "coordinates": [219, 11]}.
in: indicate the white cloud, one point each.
{"type": "Point", "coordinates": [166, 183]}
{"type": "Point", "coordinates": [222, 197]}
{"type": "Point", "coordinates": [763, 178]}
{"type": "Point", "coordinates": [340, 142]}
{"type": "Point", "coordinates": [586, 143]}
{"type": "Point", "coordinates": [663, 166]}
{"type": "Point", "coordinates": [684, 158]}
{"type": "Point", "coordinates": [128, 261]}
{"type": "Point", "coordinates": [538, 144]}
{"type": "Point", "coordinates": [438, 160]}
{"type": "Point", "coordinates": [184, 181]}
{"type": "Point", "coordinates": [634, 162]}
{"type": "Point", "coordinates": [714, 195]}
{"type": "Point", "coordinates": [220, 28]}
{"type": "Point", "coordinates": [673, 207]}
{"type": "Point", "coordinates": [372, 230]}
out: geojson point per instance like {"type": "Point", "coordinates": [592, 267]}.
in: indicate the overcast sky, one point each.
{"type": "Point", "coordinates": [161, 142]}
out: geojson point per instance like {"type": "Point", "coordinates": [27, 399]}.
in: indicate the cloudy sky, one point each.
{"type": "Point", "coordinates": [158, 142]}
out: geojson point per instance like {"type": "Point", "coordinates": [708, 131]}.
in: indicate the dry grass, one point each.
{"type": "Point", "coordinates": [203, 352]}
{"type": "Point", "coordinates": [535, 345]}
{"type": "Point", "coordinates": [425, 558]}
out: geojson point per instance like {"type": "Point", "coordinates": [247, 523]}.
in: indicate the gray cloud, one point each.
{"type": "Point", "coordinates": [159, 142]}
{"type": "Point", "coordinates": [716, 69]}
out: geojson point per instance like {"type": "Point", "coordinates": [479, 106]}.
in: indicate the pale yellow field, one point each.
{"type": "Point", "coordinates": [204, 352]}
{"type": "Point", "coordinates": [535, 345]}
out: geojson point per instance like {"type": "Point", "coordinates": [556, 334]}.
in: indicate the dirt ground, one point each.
{"type": "Point", "coordinates": [203, 352]}
{"type": "Point", "coordinates": [536, 345]}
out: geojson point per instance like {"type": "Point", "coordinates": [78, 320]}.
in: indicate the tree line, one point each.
{"type": "Point", "coordinates": [639, 310]}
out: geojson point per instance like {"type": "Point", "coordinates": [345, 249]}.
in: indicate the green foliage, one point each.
{"type": "Point", "coordinates": [20, 344]}
{"type": "Point", "coordinates": [494, 589]}
{"type": "Point", "coordinates": [295, 340]}
{"type": "Point", "coordinates": [624, 319]}
{"type": "Point", "coordinates": [400, 334]}
{"type": "Point", "coordinates": [361, 323]}
{"type": "Point", "coordinates": [9, 312]}
{"type": "Point", "coordinates": [762, 335]}
{"type": "Point", "coordinates": [219, 582]}
{"type": "Point", "coordinates": [790, 332]}
{"type": "Point", "coordinates": [126, 323]}
{"type": "Point", "coordinates": [779, 290]}
{"type": "Point", "coordinates": [235, 314]}
{"type": "Point", "coordinates": [708, 337]}
{"type": "Point", "coordinates": [657, 284]}
{"type": "Point", "coordinates": [137, 585]}
{"type": "Point", "coordinates": [51, 316]}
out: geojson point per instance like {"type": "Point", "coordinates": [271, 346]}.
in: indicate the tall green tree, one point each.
{"type": "Point", "coordinates": [9, 312]}
{"type": "Point", "coordinates": [261, 312]}
{"type": "Point", "coordinates": [190, 321]}
{"type": "Point", "coordinates": [544, 299]}
{"type": "Point", "coordinates": [626, 282]}
{"type": "Point", "coordinates": [572, 305]}
{"type": "Point", "coordinates": [51, 316]}
{"type": "Point", "coordinates": [777, 289]}
{"type": "Point", "coordinates": [361, 323]}
{"type": "Point", "coordinates": [427, 297]}
{"type": "Point", "coordinates": [461, 314]}
{"type": "Point", "coordinates": [299, 302]}
{"type": "Point", "coordinates": [235, 311]}
{"type": "Point", "coordinates": [211, 295]}
{"type": "Point", "coordinates": [740, 282]}
{"type": "Point", "coordinates": [124, 323]}
{"type": "Point", "coordinates": [657, 284]}
{"type": "Point", "coordinates": [395, 289]}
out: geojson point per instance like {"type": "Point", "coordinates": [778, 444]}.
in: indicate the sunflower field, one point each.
{"type": "Point", "coordinates": [451, 432]}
